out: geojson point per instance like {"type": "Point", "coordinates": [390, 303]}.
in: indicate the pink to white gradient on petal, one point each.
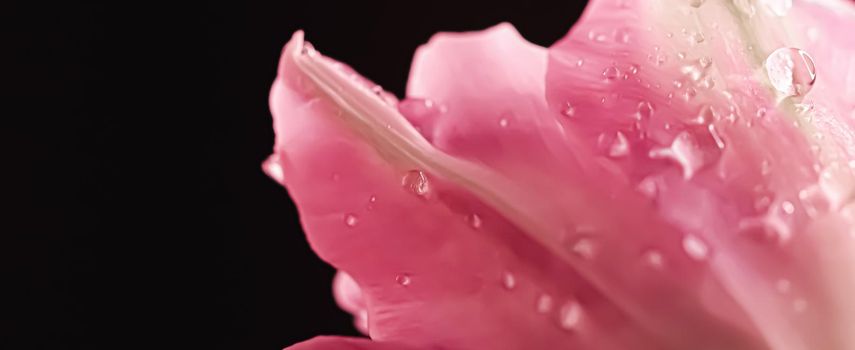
{"type": "Point", "coordinates": [672, 174]}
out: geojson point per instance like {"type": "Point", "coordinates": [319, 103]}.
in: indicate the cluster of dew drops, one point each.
{"type": "Point", "coordinates": [791, 72]}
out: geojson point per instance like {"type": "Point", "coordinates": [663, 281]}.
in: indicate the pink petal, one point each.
{"type": "Point", "coordinates": [751, 189]}
{"type": "Point", "coordinates": [612, 209]}
{"type": "Point", "coordinates": [343, 343]}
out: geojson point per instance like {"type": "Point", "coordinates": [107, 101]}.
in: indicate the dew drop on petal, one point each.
{"type": "Point", "coordinates": [813, 200]}
{"type": "Point", "coordinates": [791, 71]}
{"type": "Point", "coordinates": [620, 146]}
{"type": "Point", "coordinates": [544, 303]}
{"type": "Point", "coordinates": [570, 315]}
{"type": "Point", "coordinates": [611, 73]}
{"type": "Point", "coordinates": [568, 110]}
{"type": "Point", "coordinates": [655, 259]}
{"type": "Point", "coordinates": [351, 220]}
{"type": "Point", "coordinates": [508, 280]}
{"type": "Point", "coordinates": [416, 182]}
{"type": "Point", "coordinates": [474, 220]}
{"type": "Point", "coordinates": [695, 248]}
{"type": "Point", "coordinates": [644, 110]}
{"type": "Point", "coordinates": [685, 151]}
{"type": "Point", "coordinates": [403, 279]}
{"type": "Point", "coordinates": [584, 248]}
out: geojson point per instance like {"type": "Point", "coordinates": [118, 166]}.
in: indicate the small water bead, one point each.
{"type": "Point", "coordinates": [580, 62]}
{"type": "Point", "coordinates": [508, 280]}
{"type": "Point", "coordinates": [568, 110]}
{"type": "Point", "coordinates": [655, 259]}
{"type": "Point", "coordinates": [788, 208]}
{"type": "Point", "coordinates": [595, 36]}
{"type": "Point", "coordinates": [622, 35]}
{"type": "Point", "coordinates": [611, 73]}
{"type": "Point", "coordinates": [620, 146]}
{"type": "Point", "coordinates": [403, 279]}
{"type": "Point", "coordinates": [584, 248]}
{"type": "Point", "coordinates": [719, 141]}
{"type": "Point", "coordinates": [351, 220]}
{"type": "Point", "coordinates": [474, 220]}
{"type": "Point", "coordinates": [633, 69]}
{"type": "Point", "coordinates": [696, 38]}
{"type": "Point", "coordinates": [813, 200]}
{"type": "Point", "coordinates": [570, 315]}
{"type": "Point", "coordinates": [503, 122]}
{"type": "Point", "coordinates": [685, 151]}
{"type": "Point", "coordinates": [643, 111]}
{"type": "Point", "coordinates": [695, 248]}
{"type": "Point", "coordinates": [791, 71]}
{"type": "Point", "coordinates": [544, 303]}
{"type": "Point", "coordinates": [416, 182]}
{"type": "Point", "coordinates": [696, 3]}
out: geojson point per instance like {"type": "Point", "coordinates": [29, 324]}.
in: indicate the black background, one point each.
{"type": "Point", "coordinates": [139, 215]}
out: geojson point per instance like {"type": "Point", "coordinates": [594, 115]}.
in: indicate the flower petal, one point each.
{"type": "Point", "coordinates": [344, 343]}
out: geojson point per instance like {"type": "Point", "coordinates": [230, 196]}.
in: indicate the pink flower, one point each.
{"type": "Point", "coordinates": [673, 174]}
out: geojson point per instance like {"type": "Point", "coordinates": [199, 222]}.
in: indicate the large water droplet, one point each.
{"type": "Point", "coordinates": [544, 303]}
{"type": "Point", "coordinates": [351, 220]}
{"type": "Point", "coordinates": [416, 182]}
{"type": "Point", "coordinates": [695, 248]}
{"type": "Point", "coordinates": [791, 71]}
{"type": "Point", "coordinates": [508, 280]}
{"type": "Point", "coordinates": [570, 315]}
{"type": "Point", "coordinates": [403, 279]}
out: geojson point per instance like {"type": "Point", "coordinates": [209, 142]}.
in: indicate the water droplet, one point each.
{"type": "Point", "coordinates": [695, 247]}
{"type": "Point", "coordinates": [351, 220]}
{"type": "Point", "coordinates": [416, 182]}
{"type": "Point", "coordinates": [584, 248]}
{"type": "Point", "coordinates": [783, 286]}
{"type": "Point", "coordinates": [778, 7]}
{"type": "Point", "coordinates": [655, 259]}
{"type": "Point", "coordinates": [544, 303]}
{"type": "Point", "coordinates": [696, 38]}
{"type": "Point", "coordinates": [372, 199]}
{"type": "Point", "coordinates": [787, 207]}
{"type": "Point", "coordinates": [719, 142]}
{"type": "Point", "coordinates": [622, 35]}
{"type": "Point", "coordinates": [503, 122]}
{"type": "Point", "coordinates": [620, 146]}
{"type": "Point", "coordinates": [568, 110]}
{"type": "Point", "coordinates": [403, 279]}
{"type": "Point", "coordinates": [813, 200]}
{"type": "Point", "coordinates": [580, 62]}
{"type": "Point", "coordinates": [611, 73]}
{"type": "Point", "coordinates": [791, 71]}
{"type": "Point", "coordinates": [571, 315]}
{"type": "Point", "coordinates": [685, 151]}
{"type": "Point", "coordinates": [474, 220]}
{"type": "Point", "coordinates": [837, 183]}
{"type": "Point", "coordinates": [696, 70]}
{"type": "Point", "coordinates": [696, 3]}
{"type": "Point", "coordinates": [508, 281]}
{"type": "Point", "coordinates": [274, 170]}
{"type": "Point", "coordinates": [644, 110]}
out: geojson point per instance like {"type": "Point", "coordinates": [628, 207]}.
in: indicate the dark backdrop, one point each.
{"type": "Point", "coordinates": [140, 217]}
